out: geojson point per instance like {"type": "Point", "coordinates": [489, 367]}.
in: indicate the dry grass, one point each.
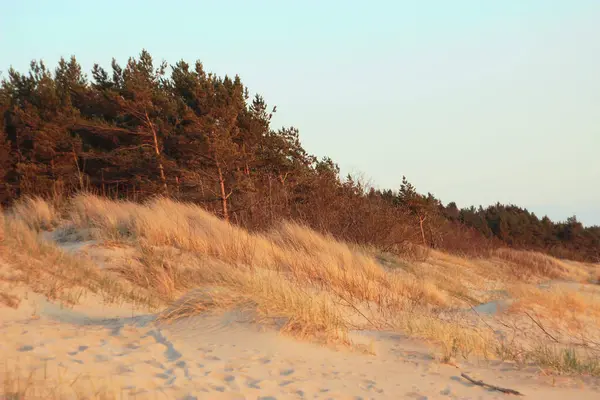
{"type": "Point", "coordinates": [270, 299]}
{"type": "Point", "coordinates": [455, 337]}
{"type": "Point", "coordinates": [37, 213]}
{"type": "Point", "coordinates": [48, 270]}
{"type": "Point", "coordinates": [556, 300]}
{"type": "Point", "coordinates": [18, 383]}
{"type": "Point", "coordinates": [566, 360]}
{"type": "Point", "coordinates": [527, 264]}
{"type": "Point", "coordinates": [575, 311]}
{"type": "Point", "coordinates": [290, 272]}
{"type": "Point", "coordinates": [310, 257]}
{"type": "Point", "coordinates": [9, 300]}
{"type": "Point", "coordinates": [307, 284]}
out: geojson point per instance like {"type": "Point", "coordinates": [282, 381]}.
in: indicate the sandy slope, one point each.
{"type": "Point", "coordinates": [91, 347]}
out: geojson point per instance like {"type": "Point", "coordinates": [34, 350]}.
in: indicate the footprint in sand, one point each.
{"type": "Point", "coordinates": [416, 396]}
{"type": "Point", "coordinates": [133, 346]}
{"type": "Point", "coordinates": [218, 388]}
{"type": "Point", "coordinates": [253, 383]}
{"type": "Point", "coordinates": [101, 358]}
{"type": "Point", "coordinates": [80, 349]}
{"type": "Point", "coordinates": [124, 369]}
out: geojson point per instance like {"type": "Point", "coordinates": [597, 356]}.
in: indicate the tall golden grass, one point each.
{"type": "Point", "coordinates": [47, 269]}
{"type": "Point", "coordinates": [525, 264]}
{"type": "Point", "coordinates": [37, 213]}
{"type": "Point", "coordinates": [308, 284]}
{"type": "Point", "coordinates": [291, 249]}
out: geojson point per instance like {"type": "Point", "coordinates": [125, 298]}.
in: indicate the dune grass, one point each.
{"type": "Point", "coordinates": [51, 383]}
{"type": "Point", "coordinates": [36, 213]}
{"type": "Point", "coordinates": [565, 360]}
{"type": "Point", "coordinates": [525, 264]}
{"type": "Point", "coordinates": [43, 267]}
{"type": "Point", "coordinates": [296, 251]}
{"type": "Point", "coordinates": [307, 284]}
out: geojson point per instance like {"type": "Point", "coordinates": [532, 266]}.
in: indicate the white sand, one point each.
{"type": "Point", "coordinates": [92, 347]}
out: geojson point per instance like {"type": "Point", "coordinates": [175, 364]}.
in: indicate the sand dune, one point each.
{"type": "Point", "coordinates": [126, 353]}
{"type": "Point", "coordinates": [168, 302]}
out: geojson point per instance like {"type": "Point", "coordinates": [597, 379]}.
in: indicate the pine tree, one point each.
{"type": "Point", "coordinates": [210, 108]}
{"type": "Point", "coordinates": [417, 204]}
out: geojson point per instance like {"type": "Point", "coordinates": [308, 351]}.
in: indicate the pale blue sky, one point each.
{"type": "Point", "coordinates": [474, 101]}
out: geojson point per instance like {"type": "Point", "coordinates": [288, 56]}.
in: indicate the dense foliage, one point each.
{"type": "Point", "coordinates": [140, 130]}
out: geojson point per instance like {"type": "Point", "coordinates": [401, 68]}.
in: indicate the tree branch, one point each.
{"type": "Point", "coordinates": [493, 387]}
{"type": "Point", "coordinates": [541, 327]}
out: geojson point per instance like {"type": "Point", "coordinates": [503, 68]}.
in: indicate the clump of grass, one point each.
{"type": "Point", "coordinates": [274, 299]}
{"type": "Point", "coordinates": [37, 213]}
{"type": "Point", "coordinates": [19, 383]}
{"type": "Point", "coordinates": [322, 260]}
{"type": "Point", "coordinates": [566, 360]}
{"type": "Point", "coordinates": [14, 386]}
{"type": "Point", "coordinates": [48, 270]}
{"type": "Point", "coordinates": [159, 270]}
{"type": "Point", "coordinates": [107, 219]}
{"type": "Point", "coordinates": [454, 337]}
{"type": "Point", "coordinates": [163, 222]}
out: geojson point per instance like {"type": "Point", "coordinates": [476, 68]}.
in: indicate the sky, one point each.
{"type": "Point", "coordinates": [474, 101]}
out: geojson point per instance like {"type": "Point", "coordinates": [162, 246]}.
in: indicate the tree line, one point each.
{"type": "Point", "coordinates": [145, 128]}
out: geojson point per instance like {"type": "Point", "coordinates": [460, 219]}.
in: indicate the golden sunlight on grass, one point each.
{"type": "Point", "coordinates": [575, 308]}
{"type": "Point", "coordinates": [540, 265]}
{"type": "Point", "coordinates": [306, 284]}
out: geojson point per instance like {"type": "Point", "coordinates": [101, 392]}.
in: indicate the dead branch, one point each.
{"type": "Point", "coordinates": [541, 327]}
{"type": "Point", "coordinates": [493, 387]}
{"type": "Point", "coordinates": [378, 326]}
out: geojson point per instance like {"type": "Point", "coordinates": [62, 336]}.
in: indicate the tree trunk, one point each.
{"type": "Point", "coordinates": [103, 186]}
{"type": "Point", "coordinates": [79, 174]}
{"type": "Point", "coordinates": [270, 200]}
{"type": "Point", "coordinates": [158, 155]}
{"type": "Point", "coordinates": [282, 179]}
{"type": "Point", "coordinates": [421, 221]}
{"type": "Point", "coordinates": [224, 196]}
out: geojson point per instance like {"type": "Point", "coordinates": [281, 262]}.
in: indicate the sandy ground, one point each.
{"type": "Point", "coordinates": [91, 348]}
